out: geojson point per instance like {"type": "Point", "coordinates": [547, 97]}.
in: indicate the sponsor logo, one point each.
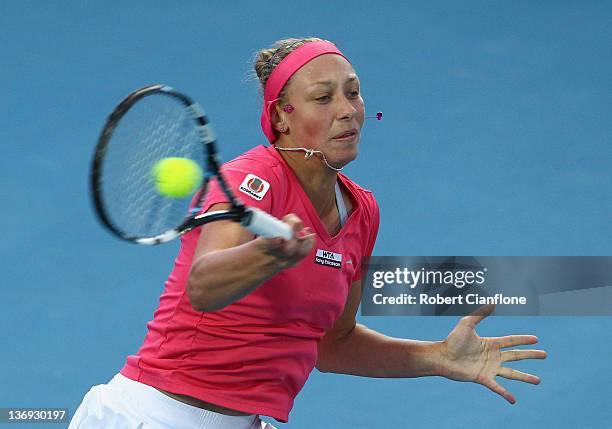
{"type": "Point", "coordinates": [254, 187]}
{"type": "Point", "coordinates": [327, 258]}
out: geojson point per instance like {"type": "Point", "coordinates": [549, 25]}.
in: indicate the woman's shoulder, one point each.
{"type": "Point", "coordinates": [259, 157]}
{"type": "Point", "coordinates": [362, 194]}
{"type": "Point", "coordinates": [258, 163]}
{"type": "Point", "coordinates": [258, 174]}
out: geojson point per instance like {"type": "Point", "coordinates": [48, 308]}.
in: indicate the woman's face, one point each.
{"type": "Point", "coordinates": [328, 104]}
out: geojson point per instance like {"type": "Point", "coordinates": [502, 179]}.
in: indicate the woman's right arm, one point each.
{"type": "Point", "coordinates": [229, 262]}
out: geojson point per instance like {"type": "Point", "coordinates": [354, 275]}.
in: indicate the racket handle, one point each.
{"type": "Point", "coordinates": [265, 225]}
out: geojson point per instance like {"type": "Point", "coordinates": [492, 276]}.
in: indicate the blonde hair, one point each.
{"type": "Point", "coordinates": [268, 58]}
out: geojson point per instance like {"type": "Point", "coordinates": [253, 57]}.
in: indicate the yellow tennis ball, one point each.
{"type": "Point", "coordinates": [176, 177]}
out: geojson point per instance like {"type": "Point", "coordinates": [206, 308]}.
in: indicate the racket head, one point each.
{"type": "Point", "coordinates": [150, 124]}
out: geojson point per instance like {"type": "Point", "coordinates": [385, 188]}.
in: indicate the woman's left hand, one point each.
{"type": "Point", "coordinates": [465, 356]}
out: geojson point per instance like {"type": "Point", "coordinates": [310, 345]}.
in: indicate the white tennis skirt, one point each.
{"type": "Point", "coordinates": [127, 404]}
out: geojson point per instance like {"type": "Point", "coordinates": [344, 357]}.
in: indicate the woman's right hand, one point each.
{"type": "Point", "coordinates": [289, 253]}
{"type": "Point", "coordinates": [229, 262]}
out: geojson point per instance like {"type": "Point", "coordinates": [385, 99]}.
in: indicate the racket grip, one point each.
{"type": "Point", "coordinates": [265, 225]}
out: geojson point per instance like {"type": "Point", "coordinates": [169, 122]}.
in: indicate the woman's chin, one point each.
{"type": "Point", "coordinates": [342, 157]}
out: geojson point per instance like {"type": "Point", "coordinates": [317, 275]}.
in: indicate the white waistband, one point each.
{"type": "Point", "coordinates": [164, 408]}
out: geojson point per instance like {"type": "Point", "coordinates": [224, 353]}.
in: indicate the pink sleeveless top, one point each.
{"type": "Point", "coordinates": [256, 354]}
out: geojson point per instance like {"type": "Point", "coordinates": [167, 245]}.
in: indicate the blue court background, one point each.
{"type": "Point", "coordinates": [496, 141]}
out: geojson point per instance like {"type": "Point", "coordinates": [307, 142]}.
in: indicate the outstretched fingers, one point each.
{"type": "Point", "coordinates": [478, 315]}
{"type": "Point", "coordinates": [513, 355]}
{"type": "Point", "coordinates": [500, 390]}
{"type": "Point", "coordinates": [514, 340]}
{"type": "Point", "coordinates": [513, 374]}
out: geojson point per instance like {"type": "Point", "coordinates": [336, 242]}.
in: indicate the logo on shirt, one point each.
{"type": "Point", "coordinates": [254, 186]}
{"type": "Point", "coordinates": [330, 259]}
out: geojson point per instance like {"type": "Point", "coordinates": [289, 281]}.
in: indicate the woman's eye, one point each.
{"type": "Point", "coordinates": [326, 98]}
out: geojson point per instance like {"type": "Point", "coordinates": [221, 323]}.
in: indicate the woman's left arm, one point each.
{"type": "Point", "coordinates": [351, 348]}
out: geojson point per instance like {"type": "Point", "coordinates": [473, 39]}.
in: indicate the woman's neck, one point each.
{"type": "Point", "coordinates": [316, 178]}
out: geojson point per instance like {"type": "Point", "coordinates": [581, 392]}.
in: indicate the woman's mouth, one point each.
{"type": "Point", "coordinates": [346, 135]}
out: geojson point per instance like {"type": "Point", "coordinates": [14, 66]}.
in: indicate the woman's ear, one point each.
{"type": "Point", "coordinates": [278, 119]}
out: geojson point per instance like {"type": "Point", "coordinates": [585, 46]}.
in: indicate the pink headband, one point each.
{"type": "Point", "coordinates": [283, 71]}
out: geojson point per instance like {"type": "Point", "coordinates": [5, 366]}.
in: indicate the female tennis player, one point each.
{"type": "Point", "coordinates": [243, 320]}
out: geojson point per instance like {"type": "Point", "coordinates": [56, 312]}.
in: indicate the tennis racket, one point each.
{"type": "Point", "coordinates": [150, 124]}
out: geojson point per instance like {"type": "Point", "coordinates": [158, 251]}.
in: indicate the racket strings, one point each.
{"type": "Point", "coordinates": [154, 128]}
